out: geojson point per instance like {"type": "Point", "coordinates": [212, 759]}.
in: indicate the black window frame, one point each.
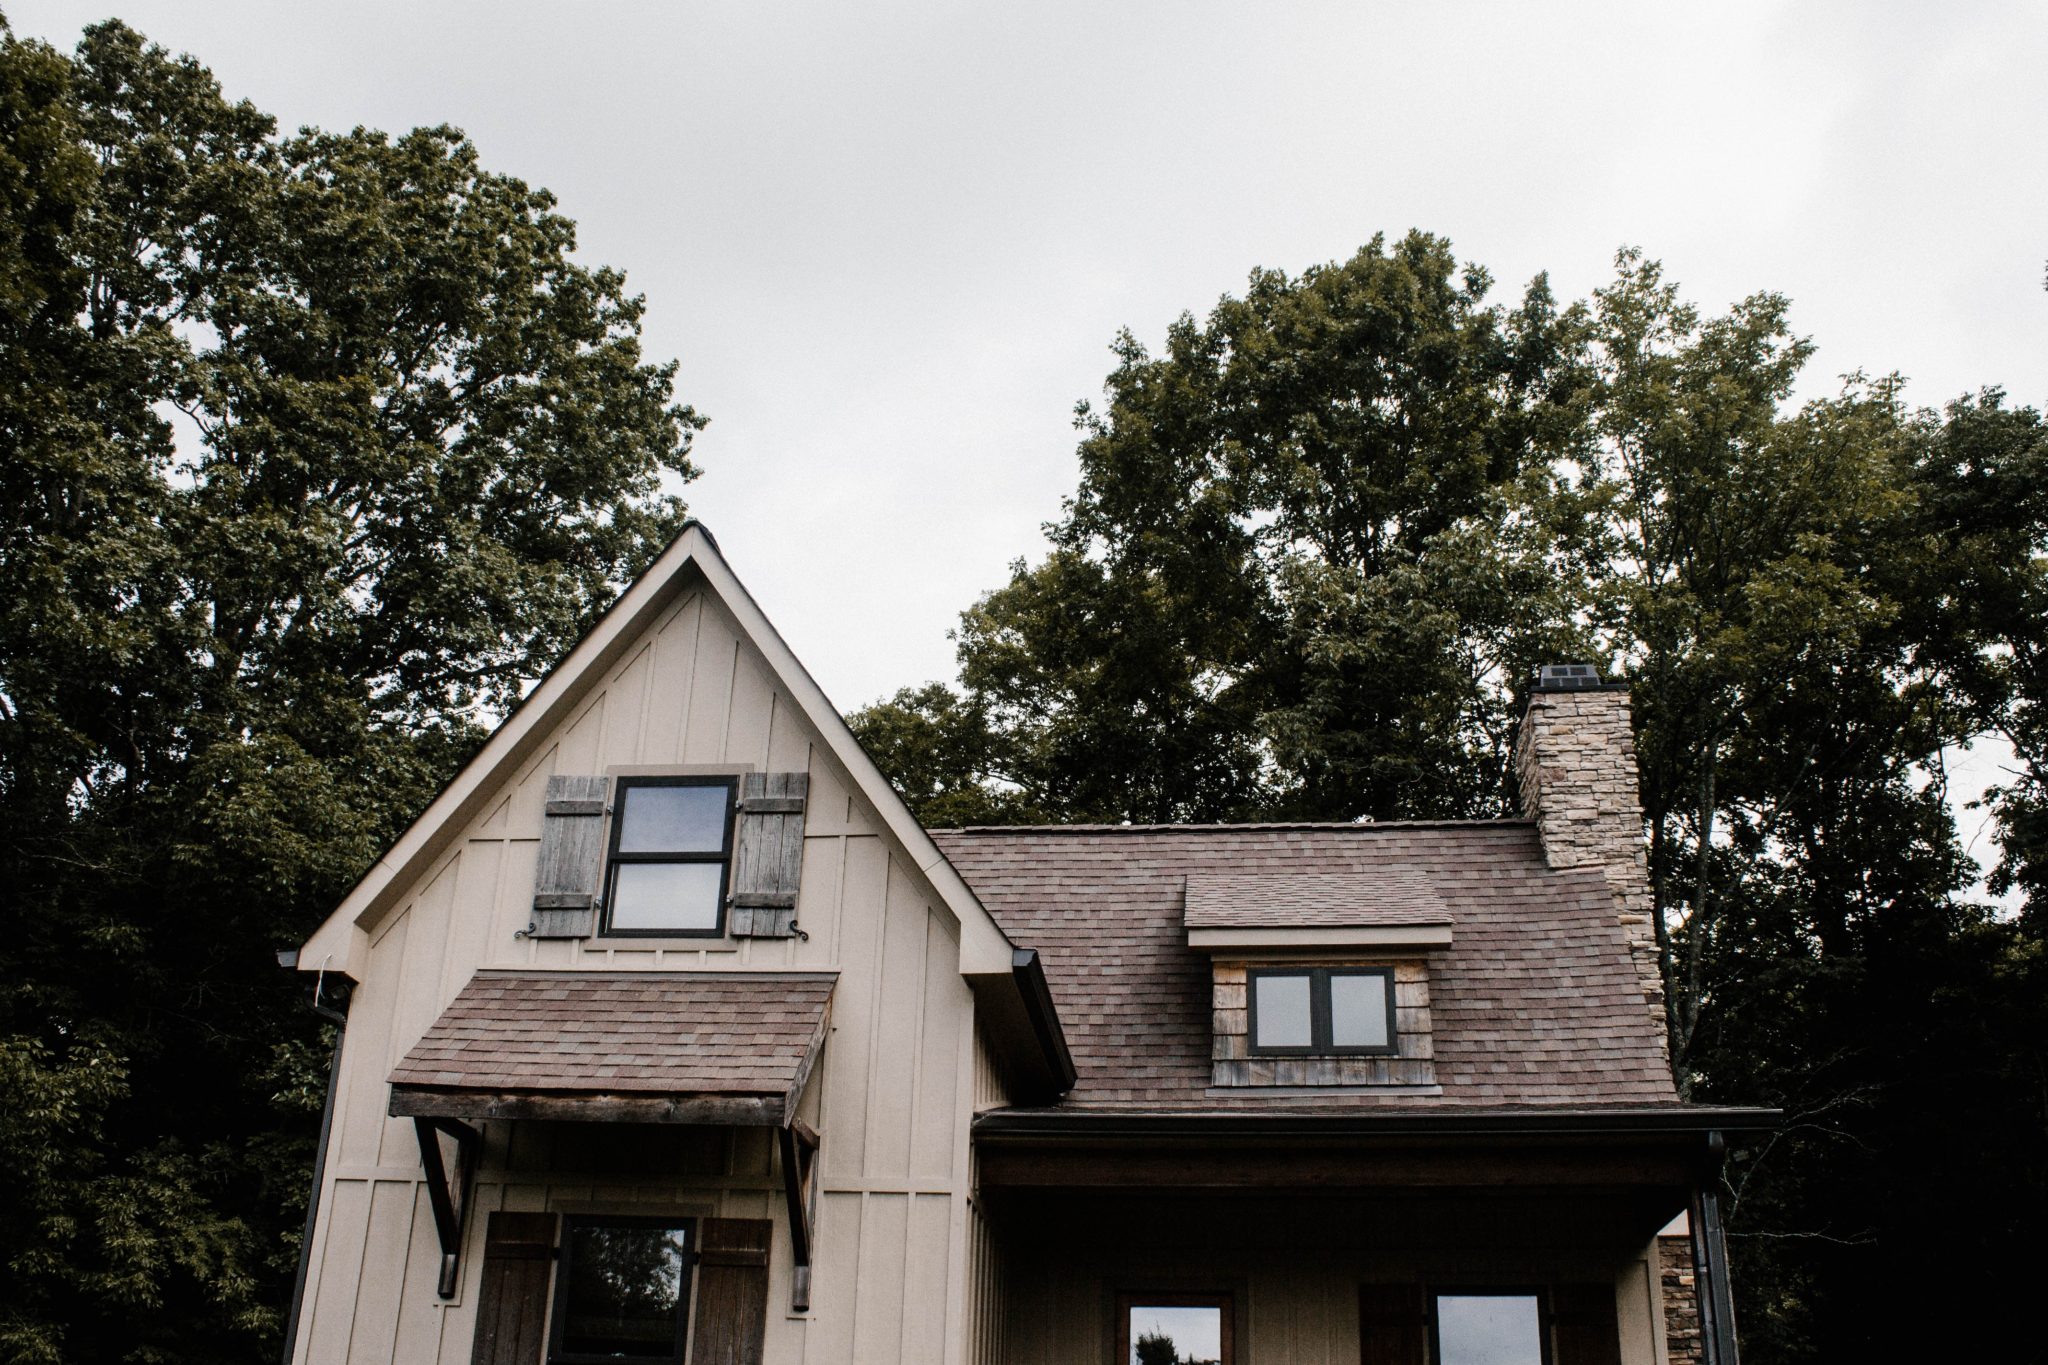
{"type": "Point", "coordinates": [614, 858]}
{"type": "Point", "coordinates": [558, 1317]}
{"type": "Point", "coordinates": [1319, 1044]}
{"type": "Point", "coordinates": [1540, 1293]}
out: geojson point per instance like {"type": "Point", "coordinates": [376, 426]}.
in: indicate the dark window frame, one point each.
{"type": "Point", "coordinates": [1126, 1300]}
{"type": "Point", "coordinates": [559, 1300]}
{"type": "Point", "coordinates": [613, 858]}
{"type": "Point", "coordinates": [1319, 1044]}
{"type": "Point", "coordinates": [1538, 1292]}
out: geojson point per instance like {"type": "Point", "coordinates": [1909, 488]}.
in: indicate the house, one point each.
{"type": "Point", "coordinates": [670, 1035]}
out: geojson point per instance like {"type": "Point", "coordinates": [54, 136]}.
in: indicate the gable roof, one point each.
{"type": "Point", "coordinates": [692, 559]}
{"type": "Point", "coordinates": [1536, 1003]}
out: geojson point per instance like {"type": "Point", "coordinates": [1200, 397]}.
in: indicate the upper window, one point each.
{"type": "Point", "coordinates": [622, 1291]}
{"type": "Point", "coordinates": [1316, 1011]}
{"type": "Point", "coordinates": [670, 852]}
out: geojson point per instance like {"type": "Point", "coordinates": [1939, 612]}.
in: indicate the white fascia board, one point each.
{"type": "Point", "coordinates": [1358, 936]}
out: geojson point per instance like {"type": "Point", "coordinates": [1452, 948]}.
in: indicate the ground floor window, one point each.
{"type": "Point", "coordinates": [1498, 1327]}
{"type": "Point", "coordinates": [622, 1290]}
{"type": "Point", "coordinates": [1174, 1329]}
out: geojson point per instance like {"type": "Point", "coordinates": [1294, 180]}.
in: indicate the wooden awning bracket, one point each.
{"type": "Point", "coordinates": [448, 1191]}
{"type": "Point", "coordinates": [799, 1144]}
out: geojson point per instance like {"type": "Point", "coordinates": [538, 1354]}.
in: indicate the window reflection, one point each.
{"type": "Point", "coordinates": [1161, 1335]}
{"type": "Point", "coordinates": [625, 1291]}
{"type": "Point", "coordinates": [1489, 1329]}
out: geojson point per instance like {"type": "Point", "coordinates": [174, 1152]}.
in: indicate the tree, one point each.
{"type": "Point", "coordinates": [1320, 542]}
{"type": "Point", "coordinates": [316, 448]}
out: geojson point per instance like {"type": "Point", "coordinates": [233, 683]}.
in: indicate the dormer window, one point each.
{"type": "Point", "coordinates": [670, 852]}
{"type": "Point", "coordinates": [1321, 1011]}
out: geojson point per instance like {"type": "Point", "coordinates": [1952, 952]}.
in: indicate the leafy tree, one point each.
{"type": "Point", "coordinates": [1319, 542]}
{"type": "Point", "coordinates": [315, 446]}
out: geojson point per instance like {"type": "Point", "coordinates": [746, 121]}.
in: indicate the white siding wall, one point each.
{"type": "Point", "coordinates": [893, 1093]}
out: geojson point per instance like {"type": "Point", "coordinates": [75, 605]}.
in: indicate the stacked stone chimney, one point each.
{"type": "Point", "coordinates": [1576, 760]}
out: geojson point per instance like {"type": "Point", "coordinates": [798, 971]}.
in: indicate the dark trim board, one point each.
{"type": "Point", "coordinates": [748, 1111]}
{"type": "Point", "coordinates": [1440, 1121]}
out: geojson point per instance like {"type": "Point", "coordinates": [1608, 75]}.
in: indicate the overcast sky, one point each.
{"type": "Point", "coordinates": [890, 244]}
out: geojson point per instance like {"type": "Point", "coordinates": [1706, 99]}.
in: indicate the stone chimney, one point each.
{"type": "Point", "coordinates": [1576, 761]}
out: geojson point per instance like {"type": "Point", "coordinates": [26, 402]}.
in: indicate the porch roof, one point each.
{"type": "Point", "coordinates": [673, 1047]}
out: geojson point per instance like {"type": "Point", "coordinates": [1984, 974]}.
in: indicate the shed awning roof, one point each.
{"type": "Point", "coordinates": [635, 1047]}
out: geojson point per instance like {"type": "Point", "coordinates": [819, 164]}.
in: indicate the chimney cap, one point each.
{"type": "Point", "coordinates": [1573, 678]}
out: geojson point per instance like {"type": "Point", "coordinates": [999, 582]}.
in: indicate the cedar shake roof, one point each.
{"type": "Point", "coordinates": [1306, 900]}
{"type": "Point", "coordinates": [640, 1034]}
{"type": "Point", "coordinates": [1537, 1003]}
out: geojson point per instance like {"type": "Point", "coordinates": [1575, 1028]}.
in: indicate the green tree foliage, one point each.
{"type": "Point", "coordinates": [1322, 539]}
{"type": "Point", "coordinates": [309, 445]}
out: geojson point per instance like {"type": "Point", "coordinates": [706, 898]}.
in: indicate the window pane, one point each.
{"type": "Point", "coordinates": [1281, 1009]}
{"type": "Point", "coordinates": [1176, 1336]}
{"type": "Point", "coordinates": [1358, 1010]}
{"type": "Point", "coordinates": [665, 895]}
{"type": "Point", "coordinates": [625, 1294]}
{"type": "Point", "coordinates": [1488, 1329]}
{"type": "Point", "coordinates": [672, 819]}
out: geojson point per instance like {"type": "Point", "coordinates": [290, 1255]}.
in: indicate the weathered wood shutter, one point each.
{"type": "Point", "coordinates": [1584, 1324]}
{"type": "Point", "coordinates": [768, 854]}
{"type": "Point", "coordinates": [512, 1305]}
{"type": "Point", "coordinates": [1391, 1325]}
{"type": "Point", "coordinates": [731, 1318]}
{"type": "Point", "coordinates": [568, 877]}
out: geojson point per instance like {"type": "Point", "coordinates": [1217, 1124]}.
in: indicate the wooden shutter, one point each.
{"type": "Point", "coordinates": [570, 871]}
{"type": "Point", "coordinates": [768, 854]}
{"type": "Point", "coordinates": [1391, 1326]}
{"type": "Point", "coordinates": [512, 1305]}
{"type": "Point", "coordinates": [1584, 1324]}
{"type": "Point", "coordinates": [731, 1317]}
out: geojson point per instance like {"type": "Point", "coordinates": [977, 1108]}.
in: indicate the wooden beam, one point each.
{"type": "Point", "coordinates": [448, 1195]}
{"type": "Point", "coordinates": [752, 1111]}
{"type": "Point", "coordinates": [1281, 1168]}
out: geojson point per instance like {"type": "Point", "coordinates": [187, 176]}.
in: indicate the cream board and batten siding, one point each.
{"type": "Point", "coordinates": [895, 1087]}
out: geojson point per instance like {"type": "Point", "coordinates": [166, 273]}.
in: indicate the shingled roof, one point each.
{"type": "Point", "coordinates": [744, 1042]}
{"type": "Point", "coordinates": [1537, 1003]}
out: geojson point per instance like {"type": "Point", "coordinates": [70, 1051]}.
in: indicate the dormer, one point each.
{"type": "Point", "coordinates": [1319, 980]}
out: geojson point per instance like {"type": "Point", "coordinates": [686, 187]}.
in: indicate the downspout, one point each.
{"type": "Point", "coordinates": [1710, 1262]}
{"type": "Point", "coordinates": [338, 1016]}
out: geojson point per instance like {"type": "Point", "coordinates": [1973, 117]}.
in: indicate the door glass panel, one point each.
{"type": "Point", "coordinates": [1358, 1010]}
{"type": "Point", "coordinates": [673, 819]}
{"type": "Point", "coordinates": [1489, 1329]}
{"type": "Point", "coordinates": [665, 895]}
{"type": "Point", "coordinates": [1281, 1010]}
{"type": "Point", "coordinates": [1175, 1336]}
{"type": "Point", "coordinates": [625, 1294]}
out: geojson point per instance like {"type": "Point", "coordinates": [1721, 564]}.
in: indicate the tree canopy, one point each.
{"type": "Point", "coordinates": [313, 448]}
{"type": "Point", "coordinates": [1321, 541]}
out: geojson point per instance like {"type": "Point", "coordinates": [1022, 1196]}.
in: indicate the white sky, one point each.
{"type": "Point", "coordinates": [891, 243]}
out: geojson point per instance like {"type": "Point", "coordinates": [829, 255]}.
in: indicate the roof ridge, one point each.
{"type": "Point", "coordinates": [1359, 826]}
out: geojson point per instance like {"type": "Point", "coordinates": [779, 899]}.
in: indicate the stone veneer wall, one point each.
{"type": "Point", "coordinates": [1576, 759]}
{"type": "Point", "coordinates": [1410, 1064]}
{"type": "Point", "coordinates": [1682, 1341]}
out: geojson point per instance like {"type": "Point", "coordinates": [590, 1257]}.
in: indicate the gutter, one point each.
{"type": "Point", "coordinates": [1064, 1126]}
{"type": "Point", "coordinates": [337, 1015]}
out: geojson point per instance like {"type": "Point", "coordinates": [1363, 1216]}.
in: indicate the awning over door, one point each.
{"type": "Point", "coordinates": [621, 1047]}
